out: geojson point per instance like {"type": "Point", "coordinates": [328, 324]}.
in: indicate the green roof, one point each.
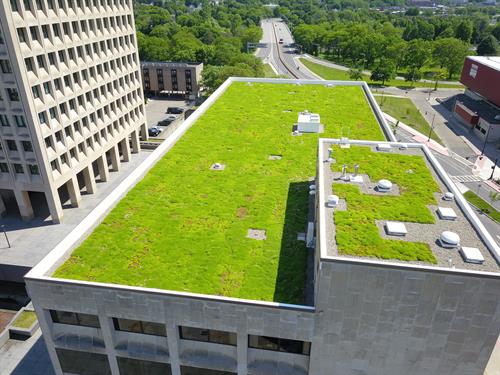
{"type": "Point", "coordinates": [184, 227]}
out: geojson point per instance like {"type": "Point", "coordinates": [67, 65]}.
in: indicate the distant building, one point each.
{"type": "Point", "coordinates": [479, 107]}
{"type": "Point", "coordinates": [422, 3]}
{"type": "Point", "coordinates": [172, 78]}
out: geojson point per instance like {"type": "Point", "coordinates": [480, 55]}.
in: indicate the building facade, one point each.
{"type": "Point", "coordinates": [71, 106]}
{"type": "Point", "coordinates": [368, 316]}
{"type": "Point", "coordinates": [479, 106]}
{"type": "Point", "coordinates": [172, 78]}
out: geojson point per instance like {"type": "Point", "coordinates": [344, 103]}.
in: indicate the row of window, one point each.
{"type": "Point", "coordinates": [186, 333]}
{"type": "Point", "coordinates": [19, 120]}
{"type": "Point", "coordinates": [86, 363]}
{"type": "Point", "coordinates": [12, 145]}
{"type": "Point", "coordinates": [11, 93]}
{"type": "Point", "coordinates": [19, 169]}
{"type": "Point", "coordinates": [64, 5]}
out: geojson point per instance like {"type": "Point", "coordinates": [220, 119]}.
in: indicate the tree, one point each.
{"type": "Point", "coordinates": [384, 71]}
{"type": "Point", "coordinates": [413, 75]}
{"type": "Point", "coordinates": [412, 12]}
{"type": "Point", "coordinates": [417, 52]}
{"type": "Point", "coordinates": [464, 31]}
{"type": "Point", "coordinates": [488, 46]}
{"type": "Point", "coordinates": [356, 74]}
{"type": "Point", "coordinates": [450, 53]}
{"type": "Point", "coordinates": [437, 76]}
{"type": "Point", "coordinates": [496, 31]}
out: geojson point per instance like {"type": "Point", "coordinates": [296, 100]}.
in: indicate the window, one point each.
{"type": "Point", "coordinates": [34, 171]}
{"type": "Point", "coordinates": [4, 120]}
{"type": "Point", "coordinates": [11, 145]}
{"type": "Point", "coordinates": [27, 146]}
{"type": "Point", "coordinates": [13, 94]}
{"type": "Point", "coordinates": [13, 5]}
{"type": "Point", "coordinates": [4, 168]}
{"type": "Point", "coordinates": [5, 66]}
{"type": "Point", "coordinates": [473, 71]}
{"type": "Point", "coordinates": [36, 91]}
{"type": "Point", "coordinates": [18, 168]}
{"type": "Point", "coordinates": [129, 366]}
{"type": "Point", "coordinates": [46, 88]}
{"type": "Point", "coordinates": [279, 345]}
{"type": "Point", "coordinates": [138, 326]}
{"type": "Point", "coordinates": [20, 121]}
{"type": "Point", "coordinates": [208, 335]}
{"type": "Point", "coordinates": [77, 319]}
{"type": "Point", "coordinates": [84, 363]}
{"type": "Point", "coordinates": [188, 370]}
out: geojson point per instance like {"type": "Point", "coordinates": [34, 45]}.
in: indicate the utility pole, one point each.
{"type": "Point", "coordinates": [493, 169]}
{"type": "Point", "coordinates": [432, 127]}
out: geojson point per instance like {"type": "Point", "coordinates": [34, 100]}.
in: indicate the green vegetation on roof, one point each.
{"type": "Point", "coordinates": [184, 227]}
{"type": "Point", "coordinates": [356, 231]}
{"type": "Point", "coordinates": [25, 319]}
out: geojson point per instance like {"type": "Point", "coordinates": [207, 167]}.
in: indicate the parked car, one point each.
{"type": "Point", "coordinates": [175, 110]}
{"type": "Point", "coordinates": [154, 131]}
{"type": "Point", "coordinates": [164, 122]}
{"type": "Point", "coordinates": [171, 117]}
{"type": "Point", "coordinates": [281, 41]}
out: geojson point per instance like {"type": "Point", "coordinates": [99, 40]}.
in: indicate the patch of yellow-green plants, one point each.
{"type": "Point", "coordinates": [356, 231]}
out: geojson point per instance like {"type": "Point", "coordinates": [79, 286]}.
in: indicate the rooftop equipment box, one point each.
{"type": "Point", "coordinates": [309, 122]}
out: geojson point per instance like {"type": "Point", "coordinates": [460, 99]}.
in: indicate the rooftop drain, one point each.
{"type": "Point", "coordinates": [257, 234]}
{"type": "Point", "coordinates": [448, 196]}
{"type": "Point", "coordinates": [332, 201]}
{"type": "Point", "coordinates": [217, 167]}
{"type": "Point", "coordinates": [449, 239]}
{"type": "Point", "coordinates": [394, 228]}
{"type": "Point", "coordinates": [329, 85]}
{"type": "Point", "coordinates": [384, 186]}
{"type": "Point", "coordinates": [287, 110]}
{"type": "Point", "coordinates": [403, 146]}
{"type": "Point", "coordinates": [384, 147]}
{"type": "Point", "coordinates": [274, 157]}
{"type": "Point", "coordinates": [446, 213]}
{"type": "Point", "coordinates": [471, 255]}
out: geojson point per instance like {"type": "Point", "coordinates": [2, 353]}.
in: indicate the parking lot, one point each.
{"type": "Point", "coordinates": [156, 109]}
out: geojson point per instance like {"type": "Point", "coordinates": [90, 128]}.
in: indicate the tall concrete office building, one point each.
{"type": "Point", "coordinates": [71, 104]}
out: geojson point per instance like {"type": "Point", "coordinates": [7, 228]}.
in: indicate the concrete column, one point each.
{"type": "Point", "coordinates": [242, 352]}
{"type": "Point", "coordinates": [74, 191]}
{"type": "Point", "coordinates": [173, 348]}
{"type": "Point", "coordinates": [55, 207]}
{"type": "Point", "coordinates": [89, 178]}
{"type": "Point", "coordinates": [24, 204]}
{"type": "Point", "coordinates": [136, 146]}
{"type": "Point", "coordinates": [125, 145]}
{"type": "Point", "coordinates": [107, 329]}
{"type": "Point", "coordinates": [3, 209]}
{"type": "Point", "coordinates": [144, 132]}
{"type": "Point", "coordinates": [115, 158]}
{"type": "Point", "coordinates": [102, 165]}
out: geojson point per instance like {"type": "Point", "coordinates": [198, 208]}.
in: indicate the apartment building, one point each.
{"type": "Point", "coordinates": [267, 251]}
{"type": "Point", "coordinates": [172, 78]}
{"type": "Point", "coordinates": [71, 101]}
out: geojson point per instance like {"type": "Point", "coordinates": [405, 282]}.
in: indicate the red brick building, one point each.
{"type": "Point", "coordinates": [479, 106]}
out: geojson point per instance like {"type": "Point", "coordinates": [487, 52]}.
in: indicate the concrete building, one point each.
{"type": "Point", "coordinates": [172, 78]}
{"type": "Point", "coordinates": [479, 106]}
{"type": "Point", "coordinates": [365, 315]}
{"type": "Point", "coordinates": [71, 102]}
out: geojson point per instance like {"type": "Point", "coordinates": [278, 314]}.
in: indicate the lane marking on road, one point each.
{"type": "Point", "coordinates": [466, 178]}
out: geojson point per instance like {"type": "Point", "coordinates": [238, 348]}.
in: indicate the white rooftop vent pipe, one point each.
{"type": "Point", "coordinates": [449, 239]}
{"type": "Point", "coordinates": [449, 196]}
{"type": "Point", "coordinates": [384, 186]}
{"type": "Point", "coordinates": [332, 201]}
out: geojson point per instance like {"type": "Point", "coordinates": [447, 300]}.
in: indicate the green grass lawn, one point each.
{"type": "Point", "coordinates": [268, 71]}
{"type": "Point", "coordinates": [335, 74]}
{"type": "Point", "coordinates": [356, 232]}
{"type": "Point", "coordinates": [25, 319]}
{"type": "Point", "coordinates": [482, 205]}
{"type": "Point", "coordinates": [184, 227]}
{"type": "Point", "coordinates": [404, 110]}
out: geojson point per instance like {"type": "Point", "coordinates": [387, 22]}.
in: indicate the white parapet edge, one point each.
{"type": "Point", "coordinates": [491, 245]}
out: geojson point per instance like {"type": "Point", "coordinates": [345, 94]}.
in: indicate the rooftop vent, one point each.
{"type": "Point", "coordinates": [403, 146]}
{"type": "Point", "coordinates": [471, 255]}
{"type": "Point", "coordinates": [333, 201]}
{"type": "Point", "coordinates": [446, 213]}
{"type": "Point", "coordinates": [217, 167]}
{"type": "Point", "coordinates": [449, 239]}
{"type": "Point", "coordinates": [448, 196]}
{"type": "Point", "coordinates": [383, 147]}
{"type": "Point", "coordinates": [384, 186]}
{"type": "Point", "coordinates": [394, 228]}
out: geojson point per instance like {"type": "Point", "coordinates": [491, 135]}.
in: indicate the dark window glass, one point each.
{"type": "Point", "coordinates": [4, 168]}
{"type": "Point", "coordinates": [11, 145]}
{"type": "Point", "coordinates": [27, 146]}
{"type": "Point", "coordinates": [138, 326]}
{"type": "Point", "coordinates": [279, 344]}
{"type": "Point", "coordinates": [188, 370]}
{"type": "Point", "coordinates": [208, 335]}
{"type": "Point", "coordinates": [79, 319]}
{"type": "Point", "coordinates": [129, 366]}
{"type": "Point", "coordinates": [83, 363]}
{"type": "Point", "coordinates": [34, 169]}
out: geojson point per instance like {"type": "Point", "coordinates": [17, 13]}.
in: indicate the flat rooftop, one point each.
{"type": "Point", "coordinates": [491, 61]}
{"type": "Point", "coordinates": [356, 228]}
{"type": "Point", "coordinates": [220, 212]}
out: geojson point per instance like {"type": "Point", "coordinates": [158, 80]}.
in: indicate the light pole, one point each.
{"type": "Point", "coordinates": [5, 234]}
{"type": "Point", "coordinates": [432, 127]}
{"type": "Point", "coordinates": [485, 140]}
{"type": "Point", "coordinates": [493, 169]}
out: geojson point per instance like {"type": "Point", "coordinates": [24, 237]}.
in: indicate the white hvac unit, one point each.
{"type": "Point", "coordinates": [309, 122]}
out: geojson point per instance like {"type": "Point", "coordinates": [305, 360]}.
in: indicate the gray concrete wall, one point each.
{"type": "Point", "coordinates": [243, 318]}
{"type": "Point", "coordinates": [381, 320]}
